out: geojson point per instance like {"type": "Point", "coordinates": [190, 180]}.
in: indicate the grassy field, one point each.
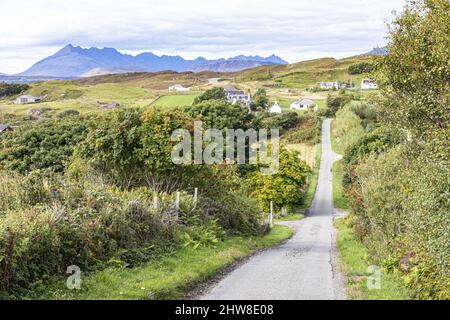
{"type": "Point", "coordinates": [355, 264]}
{"type": "Point", "coordinates": [170, 277]}
{"type": "Point", "coordinates": [173, 101]}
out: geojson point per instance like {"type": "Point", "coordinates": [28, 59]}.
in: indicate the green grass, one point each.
{"type": "Point", "coordinates": [339, 199]}
{"type": "Point", "coordinates": [312, 187]}
{"type": "Point", "coordinates": [169, 277]}
{"type": "Point", "coordinates": [292, 217]}
{"type": "Point", "coordinates": [173, 101]}
{"type": "Point", "coordinates": [355, 264]}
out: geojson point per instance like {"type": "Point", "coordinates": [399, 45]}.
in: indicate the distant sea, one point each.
{"type": "Point", "coordinates": [26, 79]}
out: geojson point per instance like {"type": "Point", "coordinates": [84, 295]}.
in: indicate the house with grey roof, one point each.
{"type": "Point", "coordinates": [4, 128]}
{"type": "Point", "coordinates": [235, 96]}
{"type": "Point", "coordinates": [329, 85]}
{"type": "Point", "coordinates": [27, 99]}
{"type": "Point", "coordinates": [303, 104]}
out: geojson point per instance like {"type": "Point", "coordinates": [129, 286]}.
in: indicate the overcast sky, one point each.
{"type": "Point", "coordinates": [293, 29]}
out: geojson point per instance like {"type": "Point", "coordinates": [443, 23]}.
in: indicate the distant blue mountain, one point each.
{"type": "Point", "coordinates": [73, 61]}
{"type": "Point", "coordinates": [379, 51]}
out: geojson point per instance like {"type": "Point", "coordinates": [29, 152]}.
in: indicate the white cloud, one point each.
{"type": "Point", "coordinates": [293, 29]}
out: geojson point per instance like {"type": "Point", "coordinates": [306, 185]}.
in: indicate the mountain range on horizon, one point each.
{"type": "Point", "coordinates": [77, 62]}
{"type": "Point", "coordinates": [73, 61]}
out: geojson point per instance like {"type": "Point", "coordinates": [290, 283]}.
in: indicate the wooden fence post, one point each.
{"type": "Point", "coordinates": [271, 214]}
{"type": "Point", "coordinates": [155, 202]}
{"type": "Point", "coordinates": [195, 195]}
{"type": "Point", "coordinates": [177, 201]}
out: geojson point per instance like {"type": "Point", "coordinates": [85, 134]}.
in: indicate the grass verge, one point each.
{"type": "Point", "coordinates": [169, 277]}
{"type": "Point", "coordinates": [355, 264]}
{"type": "Point", "coordinates": [314, 180]}
{"type": "Point", "coordinates": [339, 199]}
{"type": "Point", "coordinates": [292, 217]}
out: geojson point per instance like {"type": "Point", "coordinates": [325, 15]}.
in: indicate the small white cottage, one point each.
{"type": "Point", "coordinates": [26, 99]}
{"type": "Point", "coordinates": [179, 88]}
{"type": "Point", "coordinates": [275, 108]}
{"type": "Point", "coordinates": [329, 85]}
{"type": "Point", "coordinates": [303, 104]}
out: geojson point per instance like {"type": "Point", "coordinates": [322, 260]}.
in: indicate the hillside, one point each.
{"type": "Point", "coordinates": [304, 74]}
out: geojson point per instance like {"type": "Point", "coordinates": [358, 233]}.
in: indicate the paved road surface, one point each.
{"type": "Point", "coordinates": [304, 268]}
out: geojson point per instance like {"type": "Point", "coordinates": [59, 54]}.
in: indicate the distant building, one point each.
{"type": "Point", "coordinates": [4, 128]}
{"type": "Point", "coordinates": [329, 85]}
{"type": "Point", "coordinates": [26, 99]}
{"type": "Point", "coordinates": [235, 96]}
{"type": "Point", "coordinates": [275, 108]}
{"type": "Point", "coordinates": [368, 84]}
{"type": "Point", "coordinates": [179, 88]}
{"type": "Point", "coordinates": [303, 104]}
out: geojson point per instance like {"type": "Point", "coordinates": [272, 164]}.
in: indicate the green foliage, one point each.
{"type": "Point", "coordinates": [211, 94]}
{"type": "Point", "coordinates": [306, 131]}
{"type": "Point", "coordinates": [12, 89]}
{"type": "Point", "coordinates": [69, 113]}
{"type": "Point", "coordinates": [286, 187]}
{"type": "Point", "coordinates": [219, 114]}
{"type": "Point", "coordinates": [260, 101]}
{"type": "Point", "coordinates": [337, 102]}
{"type": "Point", "coordinates": [284, 121]}
{"type": "Point", "coordinates": [347, 129]}
{"type": "Point", "coordinates": [414, 77]}
{"type": "Point", "coordinates": [360, 68]}
{"type": "Point", "coordinates": [46, 145]}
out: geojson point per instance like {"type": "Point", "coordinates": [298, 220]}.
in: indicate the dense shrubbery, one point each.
{"type": "Point", "coordinates": [337, 102]}
{"type": "Point", "coordinates": [360, 68]}
{"type": "Point", "coordinates": [306, 131]}
{"type": "Point", "coordinates": [94, 208]}
{"type": "Point", "coordinates": [286, 187]}
{"type": "Point", "coordinates": [12, 89]}
{"type": "Point", "coordinates": [46, 145]}
{"type": "Point", "coordinates": [397, 175]}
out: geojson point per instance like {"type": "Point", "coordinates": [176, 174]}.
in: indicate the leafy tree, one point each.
{"type": "Point", "coordinates": [260, 101]}
{"type": "Point", "coordinates": [360, 68]}
{"type": "Point", "coordinates": [286, 187]}
{"type": "Point", "coordinates": [414, 76]}
{"type": "Point", "coordinates": [336, 102]}
{"type": "Point", "coordinates": [11, 89]}
{"type": "Point", "coordinates": [219, 114]}
{"type": "Point", "coordinates": [46, 145]}
{"type": "Point", "coordinates": [211, 94]}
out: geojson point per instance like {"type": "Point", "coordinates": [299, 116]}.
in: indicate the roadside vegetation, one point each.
{"type": "Point", "coordinates": [395, 166]}
{"type": "Point", "coordinates": [79, 190]}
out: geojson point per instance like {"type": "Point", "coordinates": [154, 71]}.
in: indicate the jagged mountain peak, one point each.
{"type": "Point", "coordinates": [75, 61]}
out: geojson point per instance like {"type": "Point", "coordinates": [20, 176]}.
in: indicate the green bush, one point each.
{"type": "Point", "coordinates": [46, 145]}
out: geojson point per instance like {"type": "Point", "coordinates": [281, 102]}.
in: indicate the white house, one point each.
{"type": "Point", "coordinates": [329, 85]}
{"type": "Point", "coordinates": [25, 99]}
{"type": "Point", "coordinates": [235, 96]}
{"type": "Point", "coordinates": [303, 104]}
{"type": "Point", "coordinates": [179, 88]}
{"type": "Point", "coordinates": [368, 84]}
{"type": "Point", "coordinates": [275, 108]}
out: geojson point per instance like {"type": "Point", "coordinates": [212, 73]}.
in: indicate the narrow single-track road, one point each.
{"type": "Point", "coordinates": [305, 267]}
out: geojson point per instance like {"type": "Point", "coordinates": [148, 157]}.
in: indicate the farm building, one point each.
{"type": "Point", "coordinates": [179, 88]}
{"type": "Point", "coordinates": [329, 85]}
{"type": "Point", "coordinates": [4, 128]}
{"type": "Point", "coordinates": [275, 108]}
{"type": "Point", "coordinates": [303, 104]}
{"type": "Point", "coordinates": [235, 96]}
{"type": "Point", "coordinates": [367, 84]}
{"type": "Point", "coordinates": [26, 99]}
